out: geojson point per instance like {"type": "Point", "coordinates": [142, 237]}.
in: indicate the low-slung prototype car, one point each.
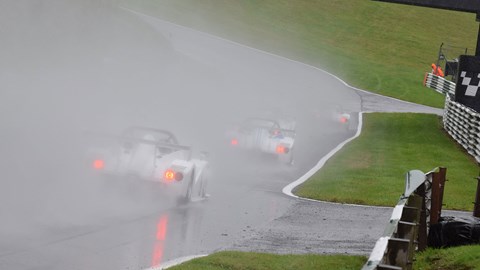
{"type": "Point", "coordinates": [266, 136]}
{"type": "Point", "coordinates": [335, 114]}
{"type": "Point", "coordinates": [155, 155]}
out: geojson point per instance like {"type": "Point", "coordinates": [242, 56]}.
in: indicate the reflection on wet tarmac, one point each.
{"type": "Point", "coordinates": [160, 240]}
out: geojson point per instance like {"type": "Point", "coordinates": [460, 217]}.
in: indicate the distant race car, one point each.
{"type": "Point", "coordinates": [266, 136]}
{"type": "Point", "coordinates": [335, 114]}
{"type": "Point", "coordinates": [342, 117]}
{"type": "Point", "coordinates": [154, 155]}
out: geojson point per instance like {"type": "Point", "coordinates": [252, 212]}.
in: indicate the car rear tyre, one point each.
{"type": "Point", "coordinates": [290, 159]}
{"type": "Point", "coordinates": [188, 194]}
{"type": "Point", "coordinates": [203, 187]}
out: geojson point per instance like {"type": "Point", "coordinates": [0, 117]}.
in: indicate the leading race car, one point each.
{"type": "Point", "coordinates": [154, 155]}
{"type": "Point", "coordinates": [267, 136]}
{"type": "Point", "coordinates": [335, 114]}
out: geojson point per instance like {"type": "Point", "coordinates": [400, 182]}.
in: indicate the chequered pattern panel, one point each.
{"type": "Point", "coordinates": [463, 124]}
{"type": "Point", "coordinates": [439, 84]}
{"type": "Point", "coordinates": [472, 81]}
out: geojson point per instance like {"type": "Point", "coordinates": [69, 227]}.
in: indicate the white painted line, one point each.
{"type": "Point", "coordinates": [175, 262]}
{"type": "Point", "coordinates": [288, 189]}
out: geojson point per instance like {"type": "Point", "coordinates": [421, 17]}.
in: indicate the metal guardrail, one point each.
{"type": "Point", "coordinates": [407, 231]}
{"type": "Point", "coordinates": [463, 124]}
{"type": "Point", "coordinates": [439, 84]}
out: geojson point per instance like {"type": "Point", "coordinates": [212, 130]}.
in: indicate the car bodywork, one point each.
{"type": "Point", "coordinates": [154, 155]}
{"type": "Point", "coordinates": [335, 114]}
{"type": "Point", "coordinates": [269, 136]}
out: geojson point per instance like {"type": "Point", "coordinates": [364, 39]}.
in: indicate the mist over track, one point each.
{"type": "Point", "coordinates": [70, 68]}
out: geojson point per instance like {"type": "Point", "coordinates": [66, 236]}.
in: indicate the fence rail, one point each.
{"type": "Point", "coordinates": [463, 124]}
{"type": "Point", "coordinates": [407, 230]}
{"type": "Point", "coordinates": [439, 84]}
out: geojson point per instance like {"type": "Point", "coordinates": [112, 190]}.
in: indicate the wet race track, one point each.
{"type": "Point", "coordinates": [57, 213]}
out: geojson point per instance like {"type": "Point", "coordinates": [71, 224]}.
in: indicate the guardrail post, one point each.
{"type": "Point", "coordinates": [422, 222]}
{"type": "Point", "coordinates": [397, 252]}
{"type": "Point", "coordinates": [407, 229]}
{"type": "Point", "coordinates": [438, 185]}
{"type": "Point", "coordinates": [408, 225]}
{"type": "Point", "coordinates": [476, 208]}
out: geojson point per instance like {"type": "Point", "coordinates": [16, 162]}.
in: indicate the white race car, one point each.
{"type": "Point", "coordinates": [266, 136]}
{"type": "Point", "coordinates": [342, 117]}
{"type": "Point", "coordinates": [335, 114]}
{"type": "Point", "coordinates": [154, 155]}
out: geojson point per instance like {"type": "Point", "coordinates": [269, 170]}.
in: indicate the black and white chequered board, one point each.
{"type": "Point", "coordinates": [472, 82]}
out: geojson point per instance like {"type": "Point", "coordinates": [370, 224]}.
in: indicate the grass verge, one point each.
{"type": "Point", "coordinates": [380, 47]}
{"type": "Point", "coordinates": [372, 173]}
{"type": "Point", "coordinates": [233, 260]}
{"type": "Point", "coordinates": [456, 258]}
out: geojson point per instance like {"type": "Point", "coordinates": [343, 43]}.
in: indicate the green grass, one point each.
{"type": "Point", "coordinates": [373, 173]}
{"type": "Point", "coordinates": [259, 261]}
{"type": "Point", "coordinates": [380, 47]}
{"type": "Point", "coordinates": [456, 258]}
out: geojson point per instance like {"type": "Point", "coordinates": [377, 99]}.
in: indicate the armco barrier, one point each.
{"type": "Point", "coordinates": [463, 124]}
{"type": "Point", "coordinates": [439, 84]}
{"type": "Point", "coordinates": [407, 231]}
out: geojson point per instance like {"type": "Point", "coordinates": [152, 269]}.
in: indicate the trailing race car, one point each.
{"type": "Point", "coordinates": [334, 113]}
{"type": "Point", "coordinates": [342, 117]}
{"type": "Point", "coordinates": [154, 155]}
{"type": "Point", "coordinates": [266, 136]}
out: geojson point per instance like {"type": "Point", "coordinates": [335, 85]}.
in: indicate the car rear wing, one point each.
{"type": "Point", "coordinates": [160, 144]}
{"type": "Point", "coordinates": [289, 132]}
{"type": "Point", "coordinates": [286, 132]}
{"type": "Point", "coordinates": [275, 126]}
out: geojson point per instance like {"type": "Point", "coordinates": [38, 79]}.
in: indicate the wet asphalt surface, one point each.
{"type": "Point", "coordinates": [69, 219]}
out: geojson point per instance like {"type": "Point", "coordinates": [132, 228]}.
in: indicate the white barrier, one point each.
{"type": "Point", "coordinates": [439, 84]}
{"type": "Point", "coordinates": [463, 124]}
{"type": "Point", "coordinates": [396, 247]}
{"type": "Point", "coordinates": [407, 230]}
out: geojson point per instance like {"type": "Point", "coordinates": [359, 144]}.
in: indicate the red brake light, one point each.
{"type": "Point", "coordinates": [282, 149]}
{"type": "Point", "coordinates": [98, 164]}
{"type": "Point", "coordinates": [234, 142]}
{"type": "Point", "coordinates": [170, 175]}
{"type": "Point", "coordinates": [343, 119]}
